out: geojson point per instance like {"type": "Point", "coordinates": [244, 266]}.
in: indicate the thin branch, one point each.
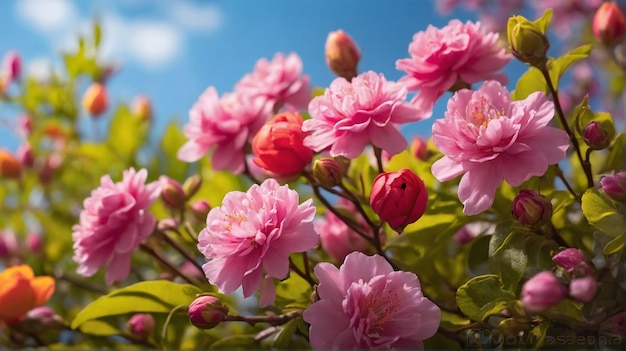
{"type": "Point", "coordinates": [166, 263]}
{"type": "Point", "coordinates": [279, 319]}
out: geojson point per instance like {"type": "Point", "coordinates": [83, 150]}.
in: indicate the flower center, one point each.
{"type": "Point", "coordinates": [481, 111]}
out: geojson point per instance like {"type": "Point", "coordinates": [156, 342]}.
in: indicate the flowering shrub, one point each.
{"type": "Point", "coordinates": [286, 216]}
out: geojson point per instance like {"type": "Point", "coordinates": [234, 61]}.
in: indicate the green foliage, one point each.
{"type": "Point", "coordinates": [604, 215]}
{"type": "Point", "coordinates": [482, 297]}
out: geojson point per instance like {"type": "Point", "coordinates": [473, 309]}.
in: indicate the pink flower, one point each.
{"type": "Point", "coordinates": [249, 238]}
{"type": "Point", "coordinates": [223, 127]}
{"type": "Point", "coordinates": [278, 82]}
{"type": "Point", "coordinates": [583, 289]}
{"type": "Point", "coordinates": [365, 305]}
{"type": "Point", "coordinates": [350, 115]}
{"type": "Point", "coordinates": [114, 222]}
{"type": "Point", "coordinates": [541, 291]}
{"type": "Point", "coordinates": [336, 237]}
{"type": "Point", "coordinates": [487, 137]}
{"type": "Point", "coordinates": [456, 55]}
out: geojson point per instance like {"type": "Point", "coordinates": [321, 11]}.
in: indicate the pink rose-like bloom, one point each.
{"type": "Point", "coordinates": [487, 137]}
{"type": "Point", "coordinates": [249, 238]}
{"type": "Point", "coordinates": [278, 82]}
{"type": "Point", "coordinates": [352, 114]}
{"type": "Point", "coordinates": [542, 291]}
{"type": "Point", "coordinates": [336, 237]}
{"type": "Point", "coordinates": [458, 54]}
{"type": "Point", "coordinates": [114, 222]}
{"type": "Point", "coordinates": [365, 304]}
{"type": "Point", "coordinates": [223, 126]}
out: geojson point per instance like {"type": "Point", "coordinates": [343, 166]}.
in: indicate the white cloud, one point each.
{"type": "Point", "coordinates": [40, 69]}
{"type": "Point", "coordinates": [47, 15]}
{"type": "Point", "coordinates": [206, 18]}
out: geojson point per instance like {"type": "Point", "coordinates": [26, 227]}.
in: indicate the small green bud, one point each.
{"type": "Point", "coordinates": [327, 172]}
{"type": "Point", "coordinates": [192, 185]}
{"type": "Point", "coordinates": [528, 40]}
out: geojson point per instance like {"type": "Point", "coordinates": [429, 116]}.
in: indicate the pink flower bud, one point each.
{"type": "Point", "coordinates": [24, 126]}
{"type": "Point", "coordinates": [41, 319]}
{"type": "Point", "coordinates": [200, 209]}
{"type": "Point", "coordinates": [206, 312]}
{"type": "Point", "coordinates": [33, 241]}
{"type": "Point", "coordinates": [12, 66]}
{"type": "Point", "coordinates": [327, 172]}
{"type": "Point", "coordinates": [419, 148]}
{"type": "Point", "coordinates": [399, 198]}
{"type": "Point", "coordinates": [95, 99]}
{"type": "Point", "coordinates": [342, 54]}
{"type": "Point", "coordinates": [569, 259]}
{"type": "Point", "coordinates": [583, 289]}
{"type": "Point", "coordinates": [532, 209]}
{"type": "Point", "coordinates": [617, 323]}
{"type": "Point", "coordinates": [140, 325]}
{"type": "Point", "coordinates": [166, 224]}
{"type": "Point", "coordinates": [596, 136]}
{"type": "Point", "coordinates": [24, 154]}
{"type": "Point", "coordinates": [614, 185]}
{"type": "Point", "coordinates": [609, 24]}
{"type": "Point", "coordinates": [8, 244]}
{"type": "Point", "coordinates": [278, 145]}
{"type": "Point", "coordinates": [172, 192]}
{"type": "Point", "coordinates": [142, 108]}
{"type": "Point", "coordinates": [542, 291]}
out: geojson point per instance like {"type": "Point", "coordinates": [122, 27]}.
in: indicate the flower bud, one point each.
{"type": "Point", "coordinates": [33, 242]}
{"type": "Point", "coordinates": [10, 166]}
{"type": "Point", "coordinates": [8, 244]}
{"type": "Point", "coordinates": [200, 209]}
{"type": "Point", "coordinates": [344, 164]}
{"type": "Point", "coordinates": [50, 166]}
{"type": "Point", "coordinates": [140, 325]}
{"type": "Point", "coordinates": [24, 154]}
{"type": "Point", "coordinates": [24, 126]}
{"type": "Point", "coordinates": [542, 291]}
{"type": "Point", "coordinates": [583, 289]}
{"type": "Point", "coordinates": [206, 312]}
{"type": "Point", "coordinates": [278, 146]}
{"type": "Point", "coordinates": [342, 54]}
{"type": "Point", "coordinates": [570, 259]}
{"type": "Point", "coordinates": [532, 209]}
{"type": "Point", "coordinates": [528, 41]}
{"type": "Point", "coordinates": [167, 224]}
{"type": "Point", "coordinates": [419, 148]}
{"type": "Point", "coordinates": [399, 198]}
{"type": "Point", "coordinates": [172, 192]}
{"type": "Point", "coordinates": [95, 100]}
{"type": "Point", "coordinates": [614, 184]}
{"type": "Point", "coordinates": [191, 185]}
{"type": "Point", "coordinates": [142, 108]}
{"type": "Point", "coordinates": [609, 24]}
{"type": "Point", "coordinates": [12, 66]}
{"type": "Point", "coordinates": [327, 172]}
{"type": "Point", "coordinates": [596, 136]}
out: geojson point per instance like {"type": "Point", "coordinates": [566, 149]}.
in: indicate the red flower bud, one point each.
{"type": "Point", "coordinates": [95, 100]}
{"type": "Point", "coordinates": [200, 209]}
{"type": "Point", "coordinates": [12, 66]}
{"type": "Point", "coordinates": [342, 54]}
{"type": "Point", "coordinates": [399, 198]}
{"type": "Point", "coordinates": [327, 172]}
{"type": "Point", "coordinates": [25, 155]}
{"type": "Point", "coordinates": [614, 185]}
{"type": "Point", "coordinates": [172, 192]}
{"type": "Point", "coordinates": [10, 166]}
{"type": "Point", "coordinates": [542, 291]}
{"type": "Point", "coordinates": [532, 209]}
{"type": "Point", "coordinates": [140, 325]}
{"type": "Point", "coordinates": [572, 259]}
{"type": "Point", "coordinates": [596, 136]}
{"type": "Point", "coordinates": [609, 24]}
{"type": "Point", "coordinates": [419, 148]}
{"type": "Point", "coordinates": [278, 145]}
{"type": "Point", "coordinates": [207, 312]}
{"type": "Point", "coordinates": [142, 108]}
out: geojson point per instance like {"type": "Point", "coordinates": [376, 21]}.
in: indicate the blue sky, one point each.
{"type": "Point", "coordinates": [173, 50]}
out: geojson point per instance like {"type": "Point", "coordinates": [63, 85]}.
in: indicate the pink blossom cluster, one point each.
{"type": "Point", "coordinates": [455, 56]}
{"type": "Point", "coordinates": [224, 126]}
{"type": "Point", "coordinates": [113, 223]}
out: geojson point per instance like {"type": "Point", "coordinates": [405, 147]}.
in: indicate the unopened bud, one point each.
{"type": "Point", "coordinates": [206, 312]}
{"type": "Point", "coordinates": [532, 209]}
{"type": "Point", "coordinates": [191, 185]}
{"type": "Point", "coordinates": [200, 209]}
{"type": "Point", "coordinates": [528, 40]}
{"type": "Point", "coordinates": [614, 185]}
{"type": "Point", "coordinates": [596, 136]}
{"type": "Point", "coordinates": [10, 166]}
{"type": "Point", "coordinates": [172, 192]}
{"type": "Point", "coordinates": [12, 66]}
{"type": "Point", "coordinates": [33, 241]}
{"type": "Point", "coordinates": [342, 54]}
{"type": "Point", "coordinates": [50, 166]}
{"type": "Point", "coordinates": [571, 259]}
{"type": "Point", "coordinates": [140, 325]}
{"type": "Point", "coordinates": [95, 100]}
{"type": "Point", "coordinates": [327, 172]}
{"type": "Point", "coordinates": [344, 164]}
{"type": "Point", "coordinates": [419, 148]}
{"type": "Point", "coordinates": [609, 24]}
{"type": "Point", "coordinates": [583, 289]}
{"type": "Point", "coordinates": [25, 155]}
{"type": "Point", "coordinates": [142, 108]}
{"type": "Point", "coordinates": [167, 224]}
{"type": "Point", "coordinates": [542, 291]}
{"type": "Point", "coordinates": [42, 319]}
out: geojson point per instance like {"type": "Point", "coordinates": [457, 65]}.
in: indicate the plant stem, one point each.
{"type": "Point", "coordinates": [166, 263]}
{"type": "Point", "coordinates": [279, 319]}
{"type": "Point", "coordinates": [561, 115]}
{"type": "Point", "coordinates": [305, 276]}
{"type": "Point", "coordinates": [559, 173]}
{"type": "Point", "coordinates": [379, 159]}
{"type": "Point", "coordinates": [180, 250]}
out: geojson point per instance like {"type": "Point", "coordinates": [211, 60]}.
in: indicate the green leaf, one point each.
{"type": "Point", "coordinates": [97, 34]}
{"type": "Point", "coordinates": [158, 296]}
{"type": "Point", "coordinates": [236, 342]}
{"type": "Point", "coordinates": [602, 213]}
{"type": "Point", "coordinates": [293, 292]}
{"type": "Point", "coordinates": [99, 327]}
{"type": "Point", "coordinates": [282, 340]}
{"type": "Point", "coordinates": [561, 64]}
{"type": "Point", "coordinates": [507, 256]}
{"type": "Point", "coordinates": [168, 162]}
{"type": "Point", "coordinates": [126, 133]}
{"type": "Point", "coordinates": [616, 158]}
{"type": "Point", "coordinates": [531, 81]}
{"type": "Point", "coordinates": [482, 297]}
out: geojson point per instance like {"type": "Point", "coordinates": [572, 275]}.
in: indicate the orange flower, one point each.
{"type": "Point", "coordinates": [21, 291]}
{"type": "Point", "coordinates": [10, 167]}
{"type": "Point", "coordinates": [95, 100]}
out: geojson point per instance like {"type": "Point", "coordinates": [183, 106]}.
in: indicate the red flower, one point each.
{"type": "Point", "coordinates": [399, 198]}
